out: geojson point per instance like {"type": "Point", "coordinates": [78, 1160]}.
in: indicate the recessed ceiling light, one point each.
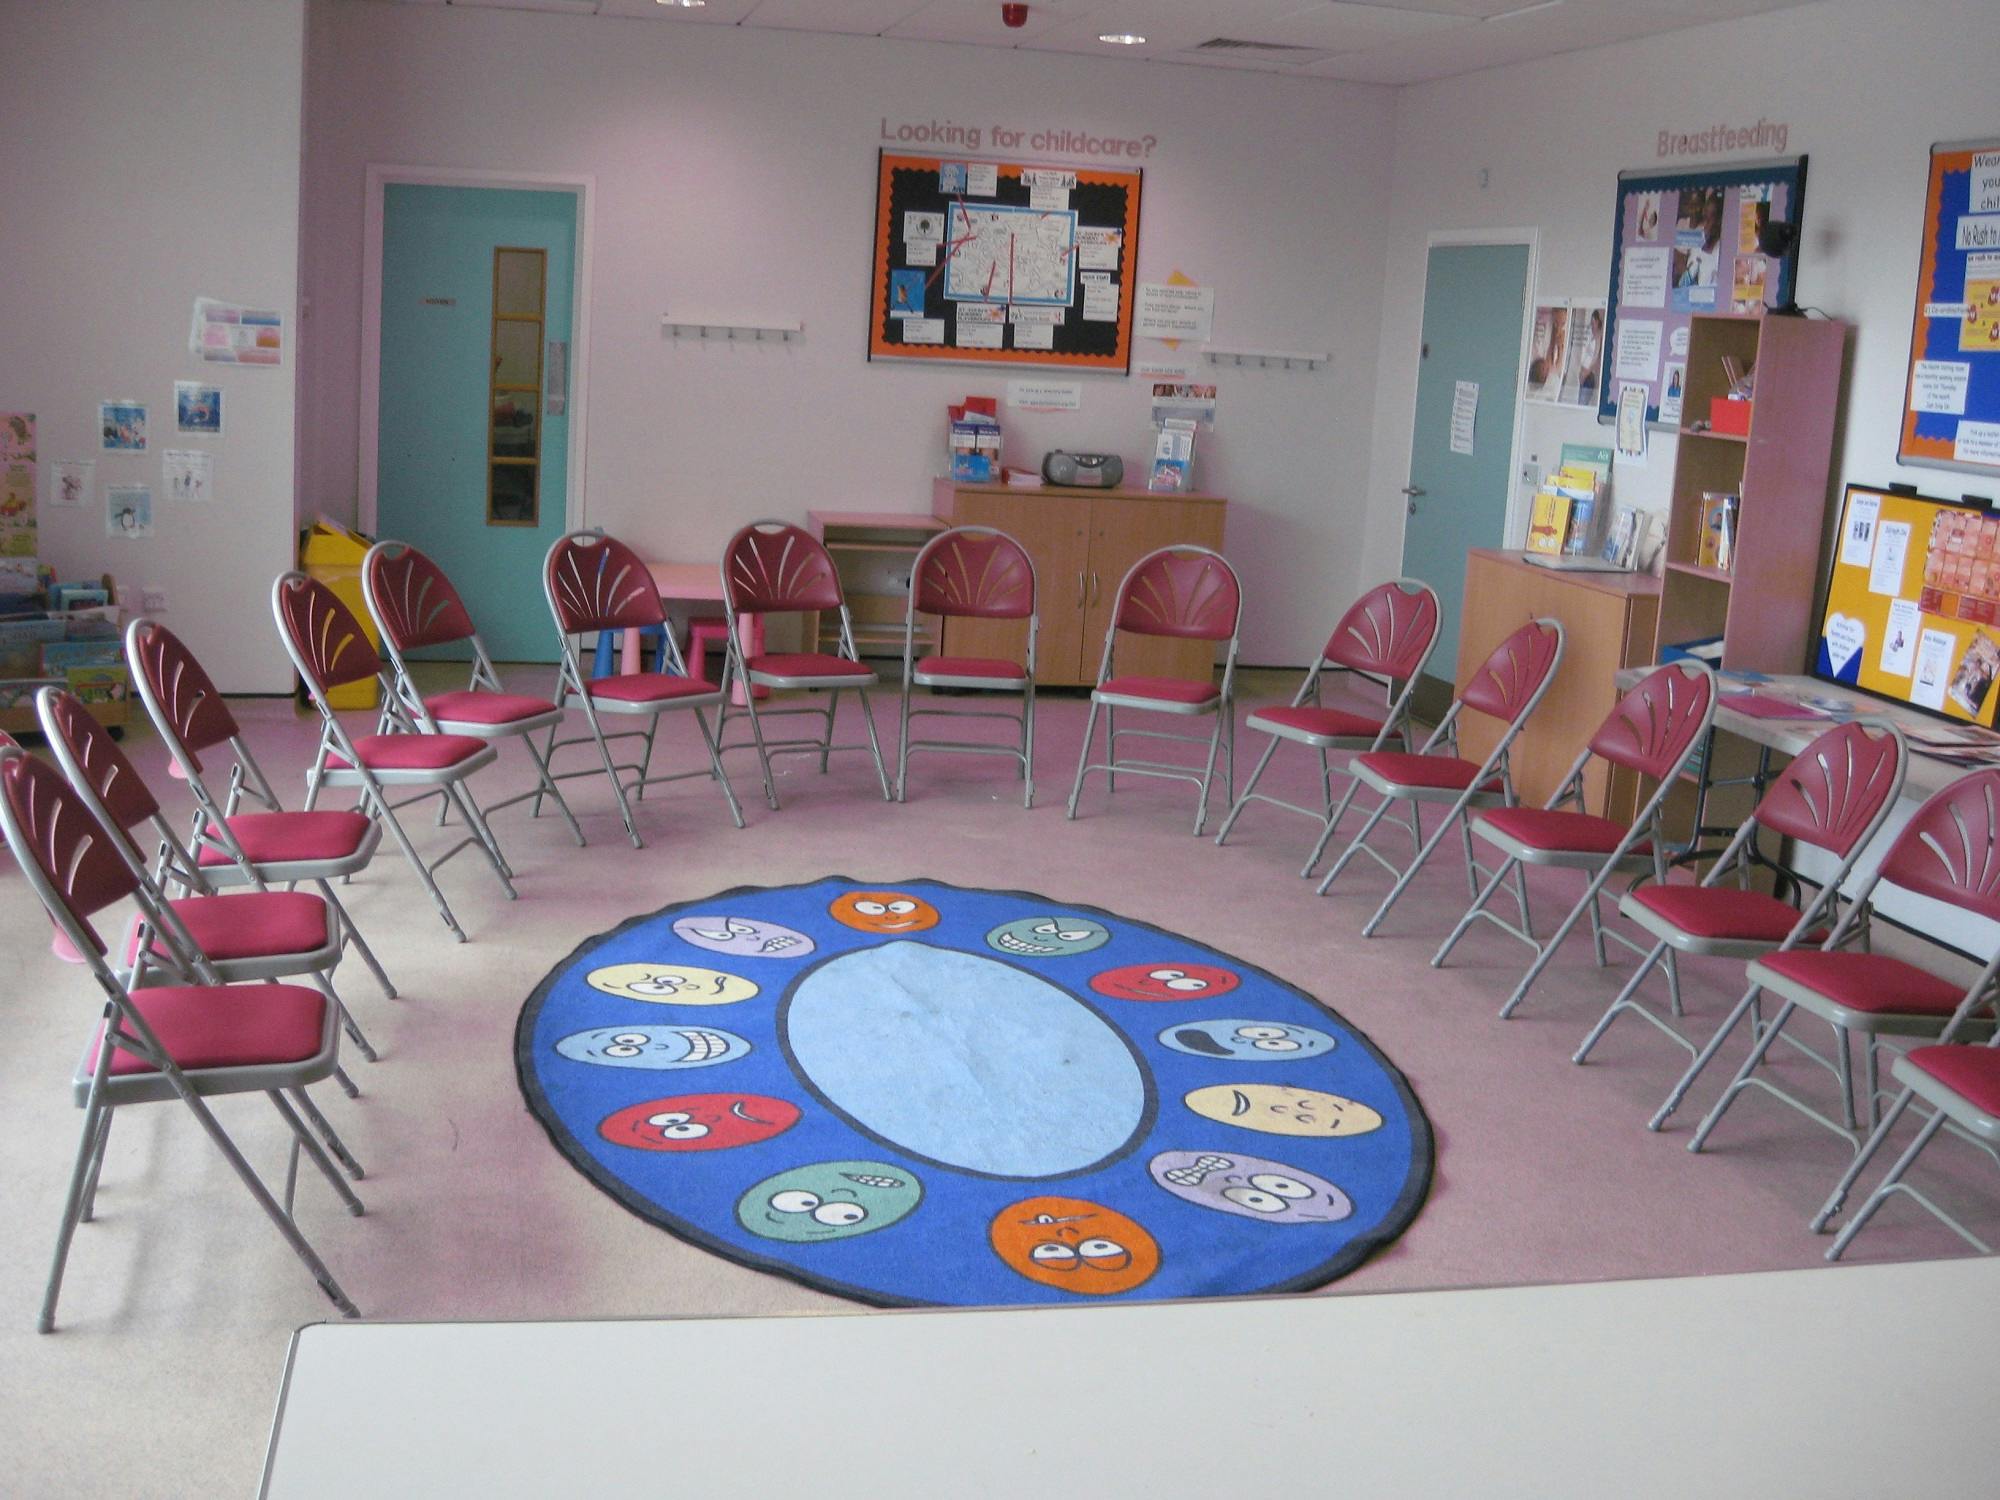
{"type": "Point", "coordinates": [1525, 10]}
{"type": "Point", "coordinates": [684, 4]}
{"type": "Point", "coordinates": [1122, 39]}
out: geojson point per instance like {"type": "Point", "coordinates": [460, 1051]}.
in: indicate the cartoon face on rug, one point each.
{"type": "Point", "coordinates": [829, 1200]}
{"type": "Point", "coordinates": [1250, 1186]}
{"type": "Point", "coordinates": [741, 937]}
{"type": "Point", "coordinates": [887, 912]}
{"type": "Point", "coordinates": [699, 1122]}
{"type": "Point", "coordinates": [1278, 1110]}
{"type": "Point", "coordinates": [1074, 1245]}
{"type": "Point", "coordinates": [671, 984]}
{"type": "Point", "coordinates": [649, 1046]}
{"type": "Point", "coordinates": [1164, 982]}
{"type": "Point", "coordinates": [1248, 1041]}
{"type": "Point", "coordinates": [1047, 937]}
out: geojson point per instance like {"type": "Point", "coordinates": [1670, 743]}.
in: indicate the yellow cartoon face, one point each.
{"type": "Point", "coordinates": [1278, 1110]}
{"type": "Point", "coordinates": [672, 984]}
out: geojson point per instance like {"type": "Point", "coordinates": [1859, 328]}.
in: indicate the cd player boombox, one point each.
{"type": "Point", "coordinates": [1096, 471]}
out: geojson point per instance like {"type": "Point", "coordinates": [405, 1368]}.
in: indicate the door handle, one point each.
{"type": "Point", "coordinates": [1414, 490]}
{"type": "Point", "coordinates": [1079, 588]}
{"type": "Point", "coordinates": [1093, 585]}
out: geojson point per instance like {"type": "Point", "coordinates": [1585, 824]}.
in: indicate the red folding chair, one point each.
{"type": "Point", "coordinates": [774, 567]}
{"type": "Point", "coordinates": [245, 836]}
{"type": "Point", "coordinates": [1508, 686]}
{"type": "Point", "coordinates": [970, 573]}
{"type": "Point", "coordinates": [1832, 798]}
{"type": "Point", "coordinates": [415, 605]}
{"type": "Point", "coordinates": [1181, 593]}
{"type": "Point", "coordinates": [596, 583]}
{"type": "Point", "coordinates": [1384, 639]}
{"type": "Point", "coordinates": [1656, 730]}
{"type": "Point", "coordinates": [329, 648]}
{"type": "Point", "coordinates": [183, 1042]}
{"type": "Point", "coordinates": [1946, 852]}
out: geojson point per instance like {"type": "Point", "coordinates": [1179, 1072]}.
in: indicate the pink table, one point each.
{"type": "Point", "coordinates": [694, 583]}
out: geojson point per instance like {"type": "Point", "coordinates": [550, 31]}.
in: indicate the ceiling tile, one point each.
{"type": "Point", "coordinates": [1349, 28]}
{"type": "Point", "coordinates": [978, 22]}
{"type": "Point", "coordinates": [846, 17]}
{"type": "Point", "coordinates": [715, 13]}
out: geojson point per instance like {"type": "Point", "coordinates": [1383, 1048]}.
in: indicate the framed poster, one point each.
{"type": "Point", "coordinates": [1951, 402]}
{"type": "Point", "coordinates": [1686, 242]}
{"type": "Point", "coordinates": [1003, 263]}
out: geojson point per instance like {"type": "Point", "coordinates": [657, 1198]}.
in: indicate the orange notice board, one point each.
{"type": "Point", "coordinates": [1004, 263]}
{"type": "Point", "coordinates": [1951, 402]}
{"type": "Point", "coordinates": [1913, 603]}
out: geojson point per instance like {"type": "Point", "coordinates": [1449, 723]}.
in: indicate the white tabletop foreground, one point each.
{"type": "Point", "coordinates": [1849, 1380]}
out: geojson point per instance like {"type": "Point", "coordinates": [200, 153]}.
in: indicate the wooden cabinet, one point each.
{"type": "Point", "coordinates": [873, 552]}
{"type": "Point", "coordinates": [1761, 605]}
{"type": "Point", "coordinates": [1082, 542]}
{"type": "Point", "coordinates": [1608, 621]}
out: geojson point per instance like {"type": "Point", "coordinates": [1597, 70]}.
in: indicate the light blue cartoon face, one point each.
{"type": "Point", "coordinates": [1250, 1187]}
{"type": "Point", "coordinates": [829, 1200]}
{"type": "Point", "coordinates": [1047, 937]}
{"type": "Point", "coordinates": [1247, 1041]}
{"type": "Point", "coordinates": [655, 1047]}
{"type": "Point", "coordinates": [742, 938]}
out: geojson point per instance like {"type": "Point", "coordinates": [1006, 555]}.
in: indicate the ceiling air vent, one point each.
{"type": "Point", "coordinates": [1225, 49]}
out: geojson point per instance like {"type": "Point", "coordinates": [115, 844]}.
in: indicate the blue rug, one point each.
{"type": "Point", "coordinates": [923, 1094]}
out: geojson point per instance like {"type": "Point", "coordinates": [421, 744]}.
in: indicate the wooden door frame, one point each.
{"type": "Point", "coordinates": [379, 177]}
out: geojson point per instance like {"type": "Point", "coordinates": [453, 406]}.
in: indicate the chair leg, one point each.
{"type": "Point", "coordinates": [1354, 845]}
{"type": "Point", "coordinates": [461, 796]}
{"type": "Point", "coordinates": [1256, 774]}
{"type": "Point", "coordinates": [1624, 1000]}
{"type": "Point", "coordinates": [1111, 750]}
{"type": "Point", "coordinates": [1742, 1078]}
{"type": "Point", "coordinates": [1837, 1199]}
{"type": "Point", "coordinates": [1207, 775]}
{"type": "Point", "coordinates": [546, 787]}
{"type": "Point", "coordinates": [1548, 950]}
{"type": "Point", "coordinates": [1083, 758]}
{"type": "Point", "coordinates": [423, 871]}
{"type": "Point", "coordinates": [313, 1149]}
{"type": "Point", "coordinates": [1333, 819]}
{"type": "Point", "coordinates": [757, 734]}
{"type": "Point", "coordinates": [1885, 1187]}
{"type": "Point", "coordinates": [874, 745]}
{"type": "Point", "coordinates": [1471, 912]}
{"type": "Point", "coordinates": [646, 759]}
{"type": "Point", "coordinates": [353, 935]}
{"type": "Point", "coordinates": [324, 985]}
{"type": "Point", "coordinates": [715, 761]}
{"type": "Point", "coordinates": [1028, 747]}
{"type": "Point", "coordinates": [96, 1165]}
{"type": "Point", "coordinates": [1679, 1092]}
{"type": "Point", "coordinates": [1423, 854]}
{"type": "Point", "coordinates": [903, 743]}
{"type": "Point", "coordinates": [73, 1202]}
{"type": "Point", "coordinates": [334, 1144]}
{"type": "Point", "coordinates": [611, 774]}
{"type": "Point", "coordinates": [826, 744]}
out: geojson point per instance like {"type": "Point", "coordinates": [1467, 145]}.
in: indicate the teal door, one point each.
{"type": "Point", "coordinates": [1475, 298]}
{"type": "Point", "coordinates": [471, 459]}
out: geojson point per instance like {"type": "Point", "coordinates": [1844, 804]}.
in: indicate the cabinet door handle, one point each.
{"type": "Point", "coordinates": [1079, 588]}
{"type": "Point", "coordinates": [1093, 585]}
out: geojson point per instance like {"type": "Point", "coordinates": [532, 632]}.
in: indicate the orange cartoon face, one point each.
{"type": "Point", "coordinates": [1074, 1246]}
{"type": "Point", "coordinates": [883, 911]}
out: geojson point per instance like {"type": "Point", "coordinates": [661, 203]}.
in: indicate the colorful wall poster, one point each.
{"type": "Point", "coordinates": [128, 510]}
{"type": "Point", "coordinates": [72, 481]}
{"type": "Point", "coordinates": [197, 407]}
{"type": "Point", "coordinates": [122, 426]}
{"type": "Point", "coordinates": [1951, 402]}
{"type": "Point", "coordinates": [1687, 242]}
{"type": "Point", "coordinates": [17, 484]}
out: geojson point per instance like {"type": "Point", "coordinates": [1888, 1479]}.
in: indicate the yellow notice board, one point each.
{"type": "Point", "coordinates": [1913, 603]}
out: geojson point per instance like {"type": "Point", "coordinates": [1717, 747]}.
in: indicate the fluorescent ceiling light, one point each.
{"type": "Point", "coordinates": [1526, 10]}
{"type": "Point", "coordinates": [1133, 39]}
{"type": "Point", "coordinates": [684, 4]}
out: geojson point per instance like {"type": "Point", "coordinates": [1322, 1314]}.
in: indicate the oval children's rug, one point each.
{"type": "Point", "coordinates": [928, 1094]}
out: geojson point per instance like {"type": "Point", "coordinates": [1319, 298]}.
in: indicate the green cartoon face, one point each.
{"type": "Point", "coordinates": [1047, 937]}
{"type": "Point", "coordinates": [828, 1200]}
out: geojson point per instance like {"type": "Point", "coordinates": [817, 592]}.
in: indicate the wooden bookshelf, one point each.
{"type": "Point", "coordinates": [873, 551]}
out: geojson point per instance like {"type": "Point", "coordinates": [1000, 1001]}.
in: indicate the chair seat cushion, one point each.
{"type": "Point", "coordinates": [410, 752]}
{"type": "Point", "coordinates": [648, 687]}
{"type": "Point", "coordinates": [1407, 768]}
{"type": "Point", "coordinates": [257, 924]}
{"type": "Point", "coordinates": [1163, 689]}
{"type": "Point", "coordinates": [1973, 1073]}
{"type": "Point", "coordinates": [809, 664]}
{"type": "Point", "coordinates": [972, 666]}
{"type": "Point", "coordinates": [1307, 722]}
{"type": "Point", "coordinates": [469, 707]}
{"type": "Point", "coordinates": [275, 838]}
{"type": "Point", "coordinates": [1560, 831]}
{"type": "Point", "coordinates": [1722, 912]}
{"type": "Point", "coordinates": [227, 1026]}
{"type": "Point", "coordinates": [1870, 982]}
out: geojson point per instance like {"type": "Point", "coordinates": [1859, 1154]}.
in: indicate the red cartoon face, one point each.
{"type": "Point", "coordinates": [1074, 1245]}
{"type": "Point", "coordinates": [699, 1122]}
{"type": "Point", "coordinates": [1164, 982]}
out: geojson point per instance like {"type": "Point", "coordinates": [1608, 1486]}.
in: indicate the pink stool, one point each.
{"type": "Point", "coordinates": [702, 634]}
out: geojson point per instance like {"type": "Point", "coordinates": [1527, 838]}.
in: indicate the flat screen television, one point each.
{"type": "Point", "coordinates": [1913, 603]}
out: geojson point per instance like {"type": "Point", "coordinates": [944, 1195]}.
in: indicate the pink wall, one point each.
{"type": "Point", "coordinates": [734, 175]}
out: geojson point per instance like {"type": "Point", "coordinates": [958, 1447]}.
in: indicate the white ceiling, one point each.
{"type": "Point", "coordinates": [1392, 41]}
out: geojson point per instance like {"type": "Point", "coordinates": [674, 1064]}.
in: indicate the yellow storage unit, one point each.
{"type": "Point", "coordinates": [332, 554]}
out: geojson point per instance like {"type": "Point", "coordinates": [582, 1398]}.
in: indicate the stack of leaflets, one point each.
{"type": "Point", "coordinates": [1173, 457]}
{"type": "Point", "coordinates": [975, 440]}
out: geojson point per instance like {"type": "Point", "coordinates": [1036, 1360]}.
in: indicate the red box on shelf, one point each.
{"type": "Point", "coordinates": [1732, 417]}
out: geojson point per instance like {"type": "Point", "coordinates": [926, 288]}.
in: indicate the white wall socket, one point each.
{"type": "Point", "coordinates": [153, 601]}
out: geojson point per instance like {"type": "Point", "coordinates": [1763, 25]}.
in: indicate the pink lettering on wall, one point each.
{"type": "Point", "coordinates": [1047, 140]}
{"type": "Point", "coordinates": [1765, 135]}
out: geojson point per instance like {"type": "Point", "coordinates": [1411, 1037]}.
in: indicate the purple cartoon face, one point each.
{"type": "Point", "coordinates": [742, 938]}
{"type": "Point", "coordinates": [1250, 1187]}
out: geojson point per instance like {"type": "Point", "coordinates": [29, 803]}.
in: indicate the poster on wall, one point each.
{"type": "Point", "coordinates": [1004, 263]}
{"type": "Point", "coordinates": [1951, 402]}
{"type": "Point", "coordinates": [1566, 354]}
{"type": "Point", "coordinates": [1686, 242]}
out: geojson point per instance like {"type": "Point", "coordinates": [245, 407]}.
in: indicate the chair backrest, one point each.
{"type": "Point", "coordinates": [411, 599]}
{"type": "Point", "coordinates": [596, 582]}
{"type": "Point", "coordinates": [1388, 632]}
{"type": "Point", "coordinates": [1655, 724]}
{"type": "Point", "coordinates": [91, 758]}
{"type": "Point", "coordinates": [68, 859]}
{"type": "Point", "coordinates": [326, 642]}
{"type": "Point", "coordinates": [774, 567]}
{"type": "Point", "coordinates": [184, 704]}
{"type": "Point", "coordinates": [1510, 681]}
{"type": "Point", "coordinates": [1837, 790]}
{"type": "Point", "coordinates": [1186, 592]}
{"type": "Point", "coordinates": [1950, 848]}
{"type": "Point", "coordinates": [974, 572]}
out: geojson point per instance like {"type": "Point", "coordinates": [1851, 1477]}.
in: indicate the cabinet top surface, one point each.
{"type": "Point", "coordinates": [1630, 585]}
{"type": "Point", "coordinates": [1030, 491]}
{"type": "Point", "coordinates": [882, 520]}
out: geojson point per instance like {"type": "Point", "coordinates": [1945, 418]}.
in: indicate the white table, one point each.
{"type": "Point", "coordinates": [1837, 1381]}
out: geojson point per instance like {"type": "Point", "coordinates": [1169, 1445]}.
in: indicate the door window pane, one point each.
{"type": "Point", "coordinates": [514, 428]}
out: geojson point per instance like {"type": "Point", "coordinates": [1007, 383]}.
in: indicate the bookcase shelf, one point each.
{"type": "Point", "coordinates": [1761, 605]}
{"type": "Point", "coordinates": [873, 551]}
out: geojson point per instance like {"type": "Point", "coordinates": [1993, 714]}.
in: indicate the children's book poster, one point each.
{"type": "Point", "coordinates": [1951, 402]}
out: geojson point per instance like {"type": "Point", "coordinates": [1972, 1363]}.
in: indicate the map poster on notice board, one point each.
{"type": "Point", "coordinates": [1004, 263]}
{"type": "Point", "coordinates": [1951, 405]}
{"type": "Point", "coordinates": [1686, 242]}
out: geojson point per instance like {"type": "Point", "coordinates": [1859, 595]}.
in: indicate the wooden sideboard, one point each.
{"type": "Point", "coordinates": [1082, 541]}
{"type": "Point", "coordinates": [1609, 621]}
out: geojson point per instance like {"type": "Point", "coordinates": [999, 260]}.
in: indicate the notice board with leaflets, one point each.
{"type": "Point", "coordinates": [1951, 403]}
